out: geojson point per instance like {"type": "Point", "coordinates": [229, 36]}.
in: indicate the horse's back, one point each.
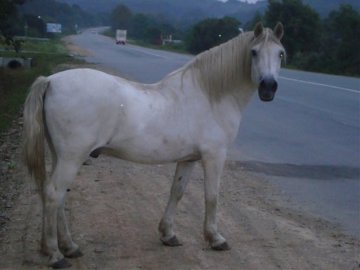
{"type": "Point", "coordinates": [82, 81]}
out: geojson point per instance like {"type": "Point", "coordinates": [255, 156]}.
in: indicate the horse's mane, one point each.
{"type": "Point", "coordinates": [221, 68]}
{"type": "Point", "coordinates": [224, 68]}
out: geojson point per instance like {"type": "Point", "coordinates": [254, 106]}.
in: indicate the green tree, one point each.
{"type": "Point", "coordinates": [52, 11]}
{"type": "Point", "coordinates": [149, 29]}
{"type": "Point", "coordinates": [302, 26]}
{"type": "Point", "coordinates": [211, 32]}
{"type": "Point", "coordinates": [121, 17]}
{"type": "Point", "coordinates": [36, 25]}
{"type": "Point", "coordinates": [9, 22]}
{"type": "Point", "coordinates": [139, 24]}
{"type": "Point", "coordinates": [341, 41]}
{"type": "Point", "coordinates": [153, 35]}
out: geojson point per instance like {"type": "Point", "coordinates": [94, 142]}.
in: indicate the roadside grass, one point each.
{"type": "Point", "coordinates": [35, 46]}
{"type": "Point", "coordinates": [14, 83]}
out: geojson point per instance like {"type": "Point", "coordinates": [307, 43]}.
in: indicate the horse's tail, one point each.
{"type": "Point", "coordinates": [34, 131]}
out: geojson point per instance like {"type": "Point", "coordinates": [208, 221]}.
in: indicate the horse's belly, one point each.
{"type": "Point", "coordinates": [152, 151]}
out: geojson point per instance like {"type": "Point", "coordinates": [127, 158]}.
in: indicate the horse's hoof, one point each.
{"type": "Point", "coordinates": [76, 254]}
{"type": "Point", "coordinates": [63, 263]}
{"type": "Point", "coordinates": [172, 242]}
{"type": "Point", "coordinates": [222, 247]}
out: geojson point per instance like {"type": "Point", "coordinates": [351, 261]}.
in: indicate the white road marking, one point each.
{"type": "Point", "coordinates": [321, 84]}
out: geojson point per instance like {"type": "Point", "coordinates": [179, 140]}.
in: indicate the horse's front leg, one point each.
{"type": "Point", "coordinates": [213, 163]}
{"type": "Point", "coordinates": [182, 175]}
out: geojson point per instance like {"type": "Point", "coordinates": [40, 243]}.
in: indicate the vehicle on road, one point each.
{"type": "Point", "coordinates": [120, 36]}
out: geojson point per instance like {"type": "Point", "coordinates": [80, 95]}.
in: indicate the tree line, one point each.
{"type": "Point", "coordinates": [312, 42]}
{"type": "Point", "coordinates": [329, 44]}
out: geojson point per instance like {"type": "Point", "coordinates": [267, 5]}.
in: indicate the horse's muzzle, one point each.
{"type": "Point", "coordinates": [267, 88]}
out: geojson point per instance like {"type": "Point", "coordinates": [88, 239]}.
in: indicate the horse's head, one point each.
{"type": "Point", "coordinates": [267, 53]}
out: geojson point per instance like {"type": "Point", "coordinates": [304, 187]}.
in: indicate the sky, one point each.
{"type": "Point", "coordinates": [248, 1]}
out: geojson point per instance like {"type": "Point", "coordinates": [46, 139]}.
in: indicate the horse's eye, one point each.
{"type": "Point", "coordinates": [253, 53]}
{"type": "Point", "coordinates": [281, 54]}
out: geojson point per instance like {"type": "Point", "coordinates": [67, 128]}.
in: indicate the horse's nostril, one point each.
{"type": "Point", "coordinates": [267, 88]}
{"type": "Point", "coordinates": [269, 84]}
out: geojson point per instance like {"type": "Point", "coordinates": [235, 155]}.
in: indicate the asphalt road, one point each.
{"type": "Point", "coordinates": [306, 142]}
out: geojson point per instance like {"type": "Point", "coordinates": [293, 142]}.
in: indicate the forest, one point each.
{"type": "Point", "coordinates": [315, 43]}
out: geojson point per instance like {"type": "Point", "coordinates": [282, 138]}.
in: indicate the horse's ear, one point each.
{"type": "Point", "coordinates": [259, 28]}
{"type": "Point", "coordinates": [279, 30]}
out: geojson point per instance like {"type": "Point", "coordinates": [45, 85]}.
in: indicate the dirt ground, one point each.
{"type": "Point", "coordinates": [114, 208]}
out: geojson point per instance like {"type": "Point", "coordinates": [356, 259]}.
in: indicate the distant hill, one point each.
{"type": "Point", "coordinates": [177, 11]}
{"type": "Point", "coordinates": [188, 11]}
{"type": "Point", "coordinates": [323, 7]}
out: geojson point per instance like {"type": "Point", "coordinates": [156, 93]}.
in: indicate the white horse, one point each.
{"type": "Point", "coordinates": [192, 114]}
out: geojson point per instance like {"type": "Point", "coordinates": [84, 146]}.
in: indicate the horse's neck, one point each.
{"type": "Point", "coordinates": [224, 71]}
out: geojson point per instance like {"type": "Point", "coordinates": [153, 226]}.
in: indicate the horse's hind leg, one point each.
{"type": "Point", "coordinates": [54, 191]}
{"type": "Point", "coordinates": [182, 175]}
{"type": "Point", "coordinates": [66, 244]}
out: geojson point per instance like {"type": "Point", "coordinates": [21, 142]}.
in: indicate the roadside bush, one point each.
{"type": "Point", "coordinates": [14, 83]}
